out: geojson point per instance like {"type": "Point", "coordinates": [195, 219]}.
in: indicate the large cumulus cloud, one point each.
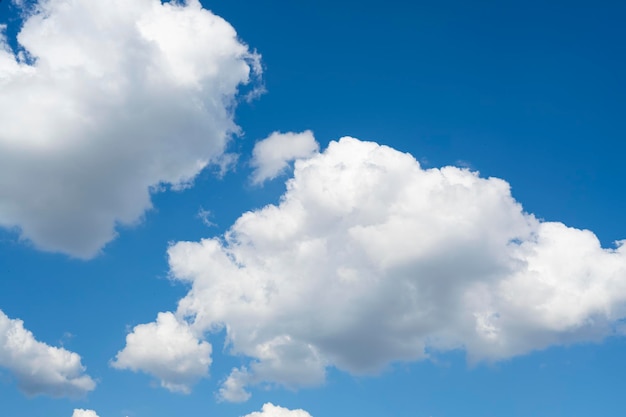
{"type": "Point", "coordinates": [103, 102]}
{"type": "Point", "coordinates": [371, 259]}
{"type": "Point", "coordinates": [39, 368]}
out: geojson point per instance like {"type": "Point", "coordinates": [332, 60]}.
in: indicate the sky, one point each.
{"type": "Point", "coordinates": [312, 209]}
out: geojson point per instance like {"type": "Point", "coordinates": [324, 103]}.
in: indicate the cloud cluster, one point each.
{"type": "Point", "coordinates": [272, 155]}
{"type": "Point", "coordinates": [79, 412]}
{"type": "Point", "coordinates": [271, 410]}
{"type": "Point", "coordinates": [106, 101]}
{"type": "Point", "coordinates": [370, 259]}
{"type": "Point", "coordinates": [39, 368]}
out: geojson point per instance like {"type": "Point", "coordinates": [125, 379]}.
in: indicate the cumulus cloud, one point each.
{"type": "Point", "coordinates": [105, 102]}
{"type": "Point", "coordinates": [233, 388]}
{"type": "Point", "coordinates": [370, 259]}
{"type": "Point", "coordinates": [272, 155]}
{"type": "Point", "coordinates": [39, 368]}
{"type": "Point", "coordinates": [79, 412]}
{"type": "Point", "coordinates": [168, 350]}
{"type": "Point", "coordinates": [271, 410]}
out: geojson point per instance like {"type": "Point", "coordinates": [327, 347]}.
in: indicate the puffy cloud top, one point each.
{"type": "Point", "coordinates": [39, 368]}
{"type": "Point", "coordinates": [271, 410]}
{"type": "Point", "coordinates": [168, 350]}
{"type": "Point", "coordinates": [104, 102]}
{"type": "Point", "coordinates": [371, 259]}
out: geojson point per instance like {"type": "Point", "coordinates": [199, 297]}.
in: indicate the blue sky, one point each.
{"type": "Point", "coordinates": [118, 127]}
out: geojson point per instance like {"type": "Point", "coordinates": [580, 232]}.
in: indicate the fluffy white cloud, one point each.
{"type": "Point", "coordinates": [272, 155]}
{"type": "Point", "coordinates": [79, 412]}
{"type": "Point", "coordinates": [370, 259]}
{"type": "Point", "coordinates": [271, 410]}
{"type": "Point", "coordinates": [105, 102]}
{"type": "Point", "coordinates": [39, 368]}
{"type": "Point", "coordinates": [233, 388]}
{"type": "Point", "coordinates": [168, 350]}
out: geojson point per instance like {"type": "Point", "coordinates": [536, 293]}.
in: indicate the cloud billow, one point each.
{"type": "Point", "coordinates": [169, 350]}
{"type": "Point", "coordinates": [272, 155]}
{"type": "Point", "coordinates": [80, 412]}
{"type": "Point", "coordinates": [271, 410]}
{"type": "Point", "coordinates": [370, 259]}
{"type": "Point", "coordinates": [105, 102]}
{"type": "Point", "coordinates": [40, 369]}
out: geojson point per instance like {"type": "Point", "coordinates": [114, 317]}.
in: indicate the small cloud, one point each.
{"type": "Point", "coordinates": [233, 388]}
{"type": "Point", "coordinates": [168, 350]}
{"type": "Point", "coordinates": [204, 216]}
{"type": "Point", "coordinates": [226, 163]}
{"type": "Point", "coordinates": [67, 337]}
{"type": "Point", "coordinates": [38, 368]}
{"type": "Point", "coordinates": [464, 164]}
{"type": "Point", "coordinates": [271, 410]}
{"type": "Point", "coordinates": [272, 155]}
{"type": "Point", "coordinates": [79, 412]}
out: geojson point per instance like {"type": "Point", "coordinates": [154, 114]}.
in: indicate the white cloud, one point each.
{"type": "Point", "coordinates": [204, 216]}
{"type": "Point", "coordinates": [271, 156]}
{"type": "Point", "coordinates": [168, 350]}
{"type": "Point", "coordinates": [370, 259]}
{"type": "Point", "coordinates": [79, 412]}
{"type": "Point", "coordinates": [233, 389]}
{"type": "Point", "coordinates": [39, 368]}
{"type": "Point", "coordinates": [271, 410]}
{"type": "Point", "coordinates": [105, 102]}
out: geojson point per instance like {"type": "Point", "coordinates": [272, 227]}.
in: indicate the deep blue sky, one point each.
{"type": "Point", "coordinates": [531, 92]}
{"type": "Point", "coordinates": [527, 91]}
